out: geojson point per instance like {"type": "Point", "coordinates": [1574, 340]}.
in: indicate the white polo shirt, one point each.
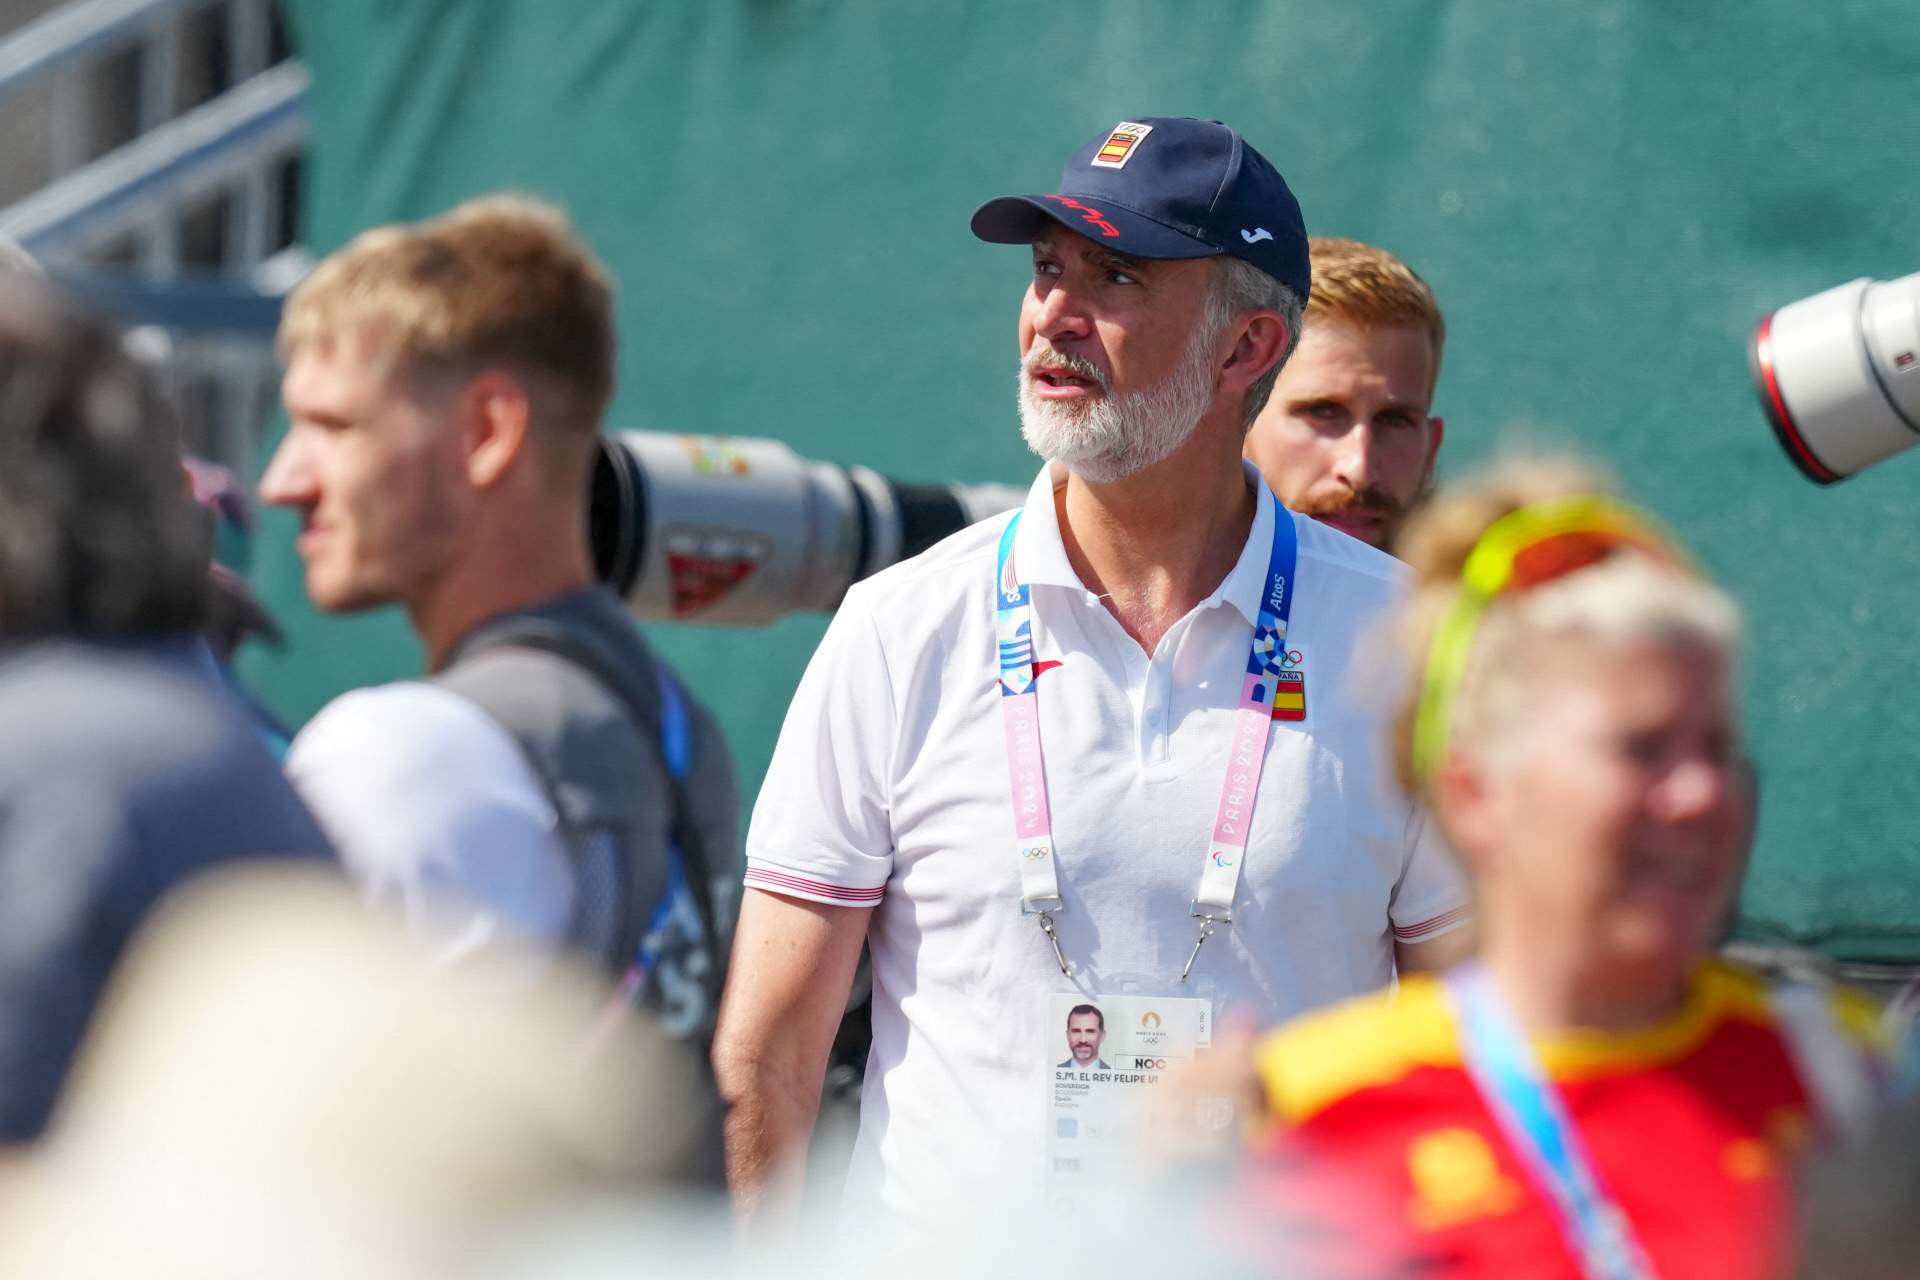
{"type": "Point", "coordinates": [889, 788]}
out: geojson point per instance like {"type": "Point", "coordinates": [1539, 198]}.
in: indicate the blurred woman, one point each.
{"type": "Point", "coordinates": [1595, 1095]}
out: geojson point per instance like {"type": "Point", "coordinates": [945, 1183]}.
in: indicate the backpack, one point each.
{"type": "Point", "coordinates": [624, 937]}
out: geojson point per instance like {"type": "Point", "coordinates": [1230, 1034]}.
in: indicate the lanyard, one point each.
{"type": "Point", "coordinates": [1535, 1123]}
{"type": "Point", "coordinates": [1267, 660]}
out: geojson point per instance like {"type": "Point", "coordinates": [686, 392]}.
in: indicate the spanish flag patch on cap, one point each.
{"type": "Point", "coordinates": [1120, 145]}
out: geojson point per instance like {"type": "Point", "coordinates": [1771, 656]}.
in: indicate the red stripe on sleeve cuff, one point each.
{"type": "Point", "coordinates": [1427, 928]}
{"type": "Point", "coordinates": [786, 882]}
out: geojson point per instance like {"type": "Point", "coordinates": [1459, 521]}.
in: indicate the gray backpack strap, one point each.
{"type": "Point", "coordinates": [666, 727]}
{"type": "Point", "coordinates": [1837, 1071]}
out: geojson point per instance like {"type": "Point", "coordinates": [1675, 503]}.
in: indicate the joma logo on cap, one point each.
{"type": "Point", "coordinates": [1120, 144]}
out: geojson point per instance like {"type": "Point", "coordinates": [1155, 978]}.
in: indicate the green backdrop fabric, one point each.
{"type": "Point", "coordinates": [1605, 197]}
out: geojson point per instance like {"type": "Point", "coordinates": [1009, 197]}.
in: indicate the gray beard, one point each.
{"type": "Point", "coordinates": [1119, 436]}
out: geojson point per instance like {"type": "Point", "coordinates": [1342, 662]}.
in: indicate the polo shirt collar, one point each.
{"type": "Point", "coordinates": [1040, 557]}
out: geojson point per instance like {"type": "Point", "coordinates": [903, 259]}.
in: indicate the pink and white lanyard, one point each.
{"type": "Point", "coordinates": [1020, 707]}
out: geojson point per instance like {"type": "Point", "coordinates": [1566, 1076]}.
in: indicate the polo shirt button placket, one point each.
{"type": "Point", "coordinates": [1155, 747]}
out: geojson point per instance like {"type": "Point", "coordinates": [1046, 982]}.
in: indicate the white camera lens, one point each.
{"type": "Point", "coordinates": [1839, 376]}
{"type": "Point", "coordinates": [739, 531]}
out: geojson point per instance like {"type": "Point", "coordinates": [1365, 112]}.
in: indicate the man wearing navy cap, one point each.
{"type": "Point", "coordinates": [1103, 751]}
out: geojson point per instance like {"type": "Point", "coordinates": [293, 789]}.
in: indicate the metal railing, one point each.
{"type": "Point", "coordinates": [113, 219]}
{"type": "Point", "coordinates": [138, 188]}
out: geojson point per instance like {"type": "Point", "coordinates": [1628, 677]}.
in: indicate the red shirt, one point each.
{"type": "Point", "coordinates": [1388, 1162]}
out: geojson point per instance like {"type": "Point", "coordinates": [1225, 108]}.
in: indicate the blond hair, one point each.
{"type": "Point", "coordinates": [498, 281]}
{"type": "Point", "coordinates": [1630, 596]}
{"type": "Point", "coordinates": [1368, 288]}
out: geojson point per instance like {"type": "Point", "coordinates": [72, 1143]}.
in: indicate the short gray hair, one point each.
{"type": "Point", "coordinates": [1238, 287]}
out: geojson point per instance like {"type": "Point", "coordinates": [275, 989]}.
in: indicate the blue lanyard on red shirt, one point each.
{"type": "Point", "coordinates": [1529, 1111]}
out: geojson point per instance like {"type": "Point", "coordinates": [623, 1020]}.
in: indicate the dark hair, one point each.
{"type": "Point", "coordinates": [1079, 1009]}
{"type": "Point", "coordinates": [97, 535]}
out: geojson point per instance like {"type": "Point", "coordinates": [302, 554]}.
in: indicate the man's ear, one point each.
{"type": "Point", "coordinates": [495, 414]}
{"type": "Point", "coordinates": [1263, 339]}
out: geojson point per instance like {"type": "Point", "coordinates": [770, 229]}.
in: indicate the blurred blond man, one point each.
{"type": "Point", "coordinates": [549, 779]}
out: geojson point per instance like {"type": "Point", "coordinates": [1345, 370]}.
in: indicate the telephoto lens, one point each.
{"type": "Point", "coordinates": [740, 531]}
{"type": "Point", "coordinates": [1838, 375]}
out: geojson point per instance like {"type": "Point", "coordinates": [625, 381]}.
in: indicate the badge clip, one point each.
{"type": "Point", "coordinates": [1044, 908]}
{"type": "Point", "coordinates": [1209, 921]}
{"type": "Point", "coordinates": [1046, 927]}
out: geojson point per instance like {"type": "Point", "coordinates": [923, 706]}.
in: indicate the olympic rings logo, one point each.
{"type": "Point", "coordinates": [1034, 852]}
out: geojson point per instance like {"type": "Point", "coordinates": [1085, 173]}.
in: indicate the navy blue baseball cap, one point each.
{"type": "Point", "coordinates": [1167, 187]}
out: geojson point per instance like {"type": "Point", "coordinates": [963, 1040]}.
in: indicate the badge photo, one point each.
{"type": "Point", "coordinates": [1106, 1055]}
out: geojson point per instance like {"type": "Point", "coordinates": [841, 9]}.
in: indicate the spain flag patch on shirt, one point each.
{"type": "Point", "coordinates": [1290, 696]}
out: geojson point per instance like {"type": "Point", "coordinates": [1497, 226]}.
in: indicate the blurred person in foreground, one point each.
{"type": "Point", "coordinates": [123, 768]}
{"type": "Point", "coordinates": [1348, 435]}
{"type": "Point", "coordinates": [1596, 1095]}
{"type": "Point", "coordinates": [550, 779]}
{"type": "Point", "coordinates": [1069, 822]}
{"type": "Point", "coordinates": [278, 1085]}
{"type": "Point", "coordinates": [232, 613]}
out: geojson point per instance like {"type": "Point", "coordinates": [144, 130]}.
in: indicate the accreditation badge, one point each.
{"type": "Point", "coordinates": [1106, 1056]}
